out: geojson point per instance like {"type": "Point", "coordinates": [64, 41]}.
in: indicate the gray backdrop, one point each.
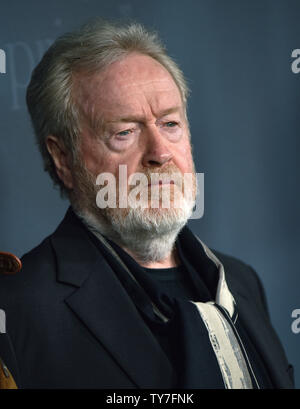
{"type": "Point", "coordinates": [244, 114]}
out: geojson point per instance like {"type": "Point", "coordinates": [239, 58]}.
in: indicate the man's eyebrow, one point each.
{"type": "Point", "coordinates": [138, 118]}
{"type": "Point", "coordinates": [99, 124]}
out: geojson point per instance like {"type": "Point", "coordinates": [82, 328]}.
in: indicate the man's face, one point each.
{"type": "Point", "coordinates": [133, 115]}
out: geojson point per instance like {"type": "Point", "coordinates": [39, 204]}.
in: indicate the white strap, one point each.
{"type": "Point", "coordinates": [225, 345]}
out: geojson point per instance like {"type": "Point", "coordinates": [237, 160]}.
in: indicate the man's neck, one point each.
{"type": "Point", "coordinates": [98, 228]}
{"type": "Point", "coordinates": [172, 260]}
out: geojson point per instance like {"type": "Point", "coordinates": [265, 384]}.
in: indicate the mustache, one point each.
{"type": "Point", "coordinates": [152, 176]}
{"type": "Point", "coordinates": [169, 174]}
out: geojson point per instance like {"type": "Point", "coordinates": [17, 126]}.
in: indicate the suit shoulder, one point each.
{"type": "Point", "coordinates": [39, 255]}
{"type": "Point", "coordinates": [235, 265]}
{"type": "Point", "coordinates": [240, 273]}
{"type": "Point", "coordinates": [38, 269]}
{"type": "Point", "coordinates": [242, 277]}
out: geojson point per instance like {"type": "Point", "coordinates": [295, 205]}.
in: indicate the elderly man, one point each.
{"type": "Point", "coordinates": [126, 296]}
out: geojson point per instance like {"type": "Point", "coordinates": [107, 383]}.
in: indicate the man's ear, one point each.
{"type": "Point", "coordinates": [61, 160]}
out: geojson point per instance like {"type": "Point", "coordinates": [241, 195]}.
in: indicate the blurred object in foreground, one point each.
{"type": "Point", "coordinates": [9, 263]}
{"type": "Point", "coordinates": [6, 379]}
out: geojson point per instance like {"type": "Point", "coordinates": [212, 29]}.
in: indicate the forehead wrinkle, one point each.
{"type": "Point", "coordinates": [142, 118]}
{"type": "Point", "coordinates": [93, 95]}
{"type": "Point", "coordinates": [146, 83]}
{"type": "Point", "coordinates": [97, 121]}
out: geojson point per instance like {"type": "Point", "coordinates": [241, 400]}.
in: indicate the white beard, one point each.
{"type": "Point", "coordinates": [149, 234]}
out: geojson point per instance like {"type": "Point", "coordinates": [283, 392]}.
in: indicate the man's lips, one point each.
{"type": "Point", "coordinates": [161, 183]}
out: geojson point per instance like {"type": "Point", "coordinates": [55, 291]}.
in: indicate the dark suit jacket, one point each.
{"type": "Point", "coordinates": [72, 324]}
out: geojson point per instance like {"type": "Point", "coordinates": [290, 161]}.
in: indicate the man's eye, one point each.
{"type": "Point", "coordinates": [171, 124]}
{"type": "Point", "coordinates": [124, 133]}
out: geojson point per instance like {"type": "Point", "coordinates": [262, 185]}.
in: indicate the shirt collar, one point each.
{"type": "Point", "coordinates": [198, 259]}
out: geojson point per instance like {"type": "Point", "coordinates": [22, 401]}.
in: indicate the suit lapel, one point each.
{"type": "Point", "coordinates": [105, 308]}
{"type": "Point", "coordinates": [264, 338]}
{"type": "Point", "coordinates": [258, 327]}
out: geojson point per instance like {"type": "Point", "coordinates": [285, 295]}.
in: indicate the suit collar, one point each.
{"type": "Point", "coordinates": [75, 256]}
{"type": "Point", "coordinates": [258, 326]}
{"type": "Point", "coordinates": [104, 307]}
{"type": "Point", "coordinates": [262, 335]}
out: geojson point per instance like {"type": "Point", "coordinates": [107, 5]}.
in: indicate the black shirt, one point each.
{"type": "Point", "coordinates": [175, 282]}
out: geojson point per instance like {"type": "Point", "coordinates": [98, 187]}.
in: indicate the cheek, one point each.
{"type": "Point", "coordinates": [184, 159]}
{"type": "Point", "coordinates": [94, 156]}
{"type": "Point", "coordinates": [98, 163]}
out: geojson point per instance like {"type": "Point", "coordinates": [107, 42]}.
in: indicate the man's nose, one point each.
{"type": "Point", "coordinates": [156, 150]}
